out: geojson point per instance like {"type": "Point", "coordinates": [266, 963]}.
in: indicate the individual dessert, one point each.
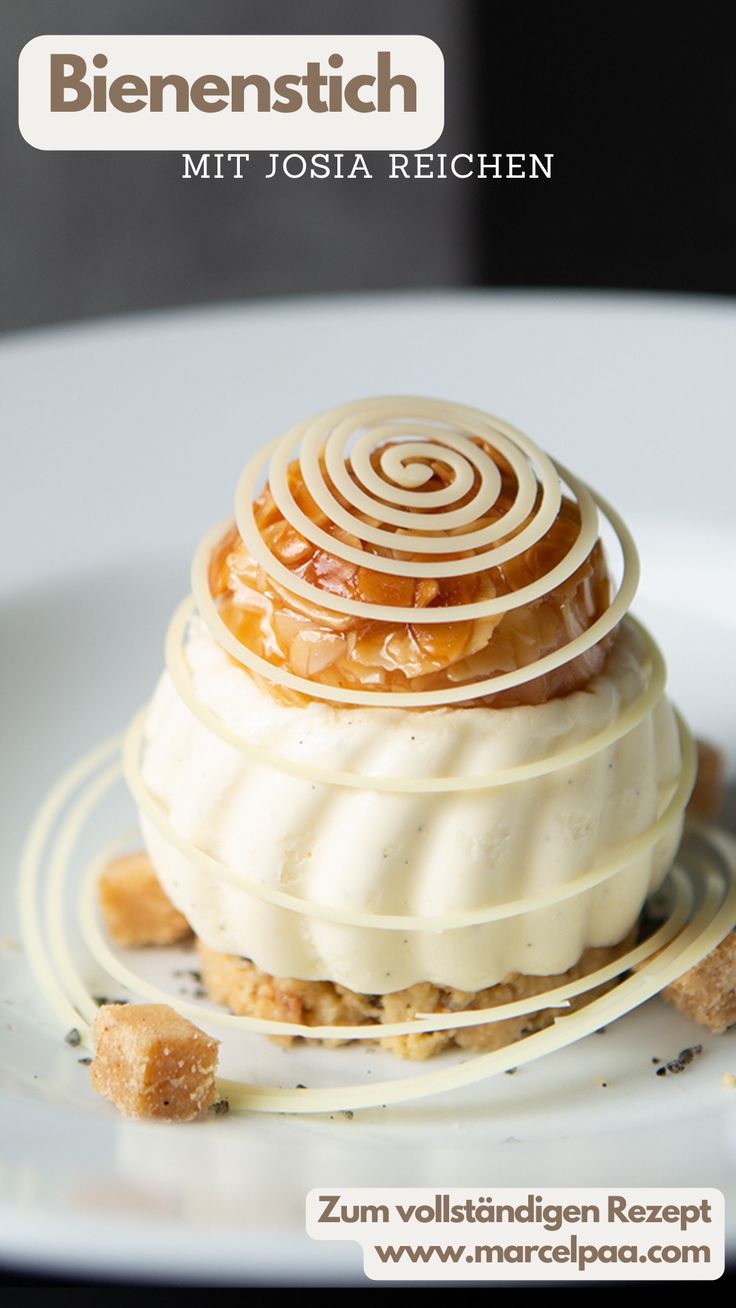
{"type": "Point", "coordinates": [152, 1063]}
{"type": "Point", "coordinates": [410, 754]}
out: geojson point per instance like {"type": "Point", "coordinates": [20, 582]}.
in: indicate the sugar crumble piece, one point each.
{"type": "Point", "coordinates": [708, 795]}
{"type": "Point", "coordinates": [728, 1080]}
{"type": "Point", "coordinates": [135, 907]}
{"type": "Point", "coordinates": [239, 985]}
{"type": "Point", "coordinates": [707, 992]}
{"type": "Point", "coordinates": [152, 1063]}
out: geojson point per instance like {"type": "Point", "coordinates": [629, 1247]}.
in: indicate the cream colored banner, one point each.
{"type": "Point", "coordinates": [231, 92]}
{"type": "Point", "coordinates": [551, 1234]}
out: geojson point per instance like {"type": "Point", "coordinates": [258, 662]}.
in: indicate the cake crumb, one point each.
{"type": "Point", "coordinates": [709, 791]}
{"type": "Point", "coordinates": [729, 1080]}
{"type": "Point", "coordinates": [135, 908]}
{"type": "Point", "coordinates": [153, 1063]}
{"type": "Point", "coordinates": [707, 992]}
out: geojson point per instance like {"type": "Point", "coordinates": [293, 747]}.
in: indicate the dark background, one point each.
{"type": "Point", "coordinates": [636, 103]}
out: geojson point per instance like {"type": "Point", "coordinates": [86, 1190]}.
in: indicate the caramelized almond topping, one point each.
{"type": "Point", "coordinates": [356, 653]}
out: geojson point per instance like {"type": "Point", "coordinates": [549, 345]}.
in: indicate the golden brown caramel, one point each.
{"type": "Point", "coordinates": [336, 649]}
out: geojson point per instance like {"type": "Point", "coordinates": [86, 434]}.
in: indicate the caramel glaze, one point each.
{"type": "Point", "coordinates": [361, 653]}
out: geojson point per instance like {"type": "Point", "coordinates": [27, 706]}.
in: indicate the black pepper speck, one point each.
{"type": "Point", "coordinates": [683, 1060]}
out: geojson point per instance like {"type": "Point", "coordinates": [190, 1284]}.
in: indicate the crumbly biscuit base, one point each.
{"type": "Point", "coordinates": [709, 791]}
{"type": "Point", "coordinates": [240, 986]}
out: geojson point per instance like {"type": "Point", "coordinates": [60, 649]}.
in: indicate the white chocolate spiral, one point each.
{"type": "Point", "coordinates": [404, 433]}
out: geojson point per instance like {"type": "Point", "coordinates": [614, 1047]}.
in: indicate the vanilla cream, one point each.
{"type": "Point", "coordinates": [423, 854]}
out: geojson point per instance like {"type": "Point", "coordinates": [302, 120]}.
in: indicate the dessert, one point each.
{"type": "Point", "coordinates": [153, 1063]}
{"type": "Point", "coordinates": [422, 630]}
{"type": "Point", "coordinates": [411, 776]}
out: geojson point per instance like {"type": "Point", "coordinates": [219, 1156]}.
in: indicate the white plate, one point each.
{"type": "Point", "coordinates": [124, 442]}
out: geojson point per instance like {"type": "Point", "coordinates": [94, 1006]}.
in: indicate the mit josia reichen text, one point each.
{"type": "Point", "coordinates": [340, 165]}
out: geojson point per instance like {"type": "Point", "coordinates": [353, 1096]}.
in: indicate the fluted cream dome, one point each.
{"type": "Point", "coordinates": [414, 854]}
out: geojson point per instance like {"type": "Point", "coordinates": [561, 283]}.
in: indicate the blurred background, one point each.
{"type": "Point", "coordinates": [635, 105]}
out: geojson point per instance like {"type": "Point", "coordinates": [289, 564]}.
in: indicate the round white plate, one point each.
{"type": "Point", "coordinates": [123, 444]}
